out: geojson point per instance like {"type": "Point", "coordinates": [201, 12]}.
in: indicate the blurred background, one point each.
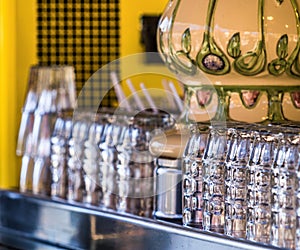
{"type": "Point", "coordinates": [85, 33]}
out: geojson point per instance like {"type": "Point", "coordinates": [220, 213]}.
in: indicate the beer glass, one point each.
{"type": "Point", "coordinates": [214, 179]}
{"type": "Point", "coordinates": [136, 166]}
{"type": "Point", "coordinates": [285, 190]}
{"type": "Point", "coordinates": [59, 155]}
{"type": "Point", "coordinates": [236, 182]}
{"type": "Point", "coordinates": [192, 165]}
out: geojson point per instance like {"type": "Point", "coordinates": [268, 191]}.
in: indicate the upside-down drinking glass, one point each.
{"type": "Point", "coordinates": [237, 181]}
{"type": "Point", "coordinates": [192, 169]}
{"type": "Point", "coordinates": [52, 91]}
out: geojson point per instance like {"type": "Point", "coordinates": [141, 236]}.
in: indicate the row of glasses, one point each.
{"type": "Point", "coordinates": [103, 159]}
{"type": "Point", "coordinates": [73, 158]}
{"type": "Point", "coordinates": [90, 158]}
{"type": "Point", "coordinates": [250, 183]}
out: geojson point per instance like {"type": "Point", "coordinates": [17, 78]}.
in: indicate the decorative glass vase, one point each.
{"type": "Point", "coordinates": [220, 49]}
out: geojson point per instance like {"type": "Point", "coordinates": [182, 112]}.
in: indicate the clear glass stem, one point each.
{"type": "Point", "coordinates": [223, 106]}
{"type": "Point", "coordinates": [275, 113]}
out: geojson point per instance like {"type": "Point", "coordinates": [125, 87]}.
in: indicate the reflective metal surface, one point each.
{"type": "Point", "coordinates": [168, 202]}
{"type": "Point", "coordinates": [30, 222]}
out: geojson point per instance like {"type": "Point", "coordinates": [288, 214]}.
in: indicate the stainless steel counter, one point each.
{"type": "Point", "coordinates": [30, 222]}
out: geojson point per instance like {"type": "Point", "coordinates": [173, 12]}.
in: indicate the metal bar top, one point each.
{"type": "Point", "coordinates": [59, 224]}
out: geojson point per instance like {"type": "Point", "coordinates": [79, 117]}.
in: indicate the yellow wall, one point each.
{"type": "Point", "coordinates": [17, 52]}
{"type": "Point", "coordinates": [26, 44]}
{"type": "Point", "coordinates": [130, 45]}
{"type": "Point", "coordinates": [131, 11]}
{"type": "Point", "coordinates": [7, 93]}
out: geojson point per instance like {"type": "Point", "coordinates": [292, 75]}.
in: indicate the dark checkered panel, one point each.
{"type": "Point", "coordinates": [82, 33]}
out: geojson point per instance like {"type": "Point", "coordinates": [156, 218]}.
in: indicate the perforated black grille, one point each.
{"type": "Point", "coordinates": [82, 33]}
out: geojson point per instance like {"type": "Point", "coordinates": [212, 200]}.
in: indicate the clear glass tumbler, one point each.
{"type": "Point", "coordinates": [59, 155]}
{"type": "Point", "coordinates": [214, 180]}
{"type": "Point", "coordinates": [284, 191]}
{"type": "Point", "coordinates": [192, 170]}
{"type": "Point", "coordinates": [136, 164]}
{"type": "Point", "coordinates": [236, 182]}
{"type": "Point", "coordinates": [29, 106]}
{"type": "Point", "coordinates": [109, 147]}
{"type": "Point", "coordinates": [260, 186]}
{"type": "Point", "coordinates": [76, 184]}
